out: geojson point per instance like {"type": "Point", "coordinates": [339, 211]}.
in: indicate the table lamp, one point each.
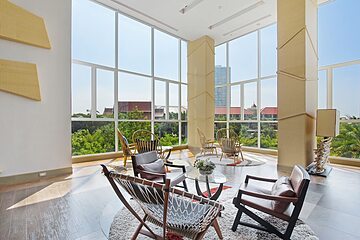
{"type": "Point", "coordinates": [327, 127]}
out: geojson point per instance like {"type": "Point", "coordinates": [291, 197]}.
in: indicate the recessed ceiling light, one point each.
{"type": "Point", "coordinates": [239, 13]}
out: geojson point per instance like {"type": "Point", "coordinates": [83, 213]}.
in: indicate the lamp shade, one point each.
{"type": "Point", "coordinates": [327, 122]}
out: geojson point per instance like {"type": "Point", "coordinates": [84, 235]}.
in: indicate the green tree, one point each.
{"type": "Point", "coordinates": [347, 143]}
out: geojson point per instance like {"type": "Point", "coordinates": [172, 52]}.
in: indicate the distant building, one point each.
{"type": "Point", "coordinates": [269, 113]}
{"type": "Point", "coordinates": [131, 106]}
{"type": "Point", "coordinates": [220, 93]}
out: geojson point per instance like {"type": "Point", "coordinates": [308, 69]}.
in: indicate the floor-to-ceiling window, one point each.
{"type": "Point", "coordinates": [245, 87]}
{"type": "Point", "coordinates": [339, 71]}
{"type": "Point", "coordinates": [245, 80]}
{"type": "Point", "coordinates": [126, 75]}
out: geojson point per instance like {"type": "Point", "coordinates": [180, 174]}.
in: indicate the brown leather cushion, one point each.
{"type": "Point", "coordinates": [155, 167]}
{"type": "Point", "coordinates": [282, 187]}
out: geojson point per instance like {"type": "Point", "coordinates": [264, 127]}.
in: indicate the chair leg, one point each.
{"type": "Point", "coordinates": [242, 157]}
{"type": "Point", "coordinates": [216, 152]}
{"type": "Point", "coordinates": [289, 229]}
{"type": "Point", "coordinates": [138, 229]}
{"type": "Point", "coordinates": [217, 229]}
{"type": "Point", "coordinates": [222, 154]}
{"type": "Point", "coordinates": [237, 220]}
{"type": "Point", "coordinates": [125, 158]}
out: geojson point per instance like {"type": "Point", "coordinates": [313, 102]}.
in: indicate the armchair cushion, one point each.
{"type": "Point", "coordinates": [282, 187]}
{"type": "Point", "coordinates": [156, 167]}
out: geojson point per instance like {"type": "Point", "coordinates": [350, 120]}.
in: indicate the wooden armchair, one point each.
{"type": "Point", "coordinates": [283, 201]}
{"type": "Point", "coordinates": [149, 166]}
{"type": "Point", "coordinates": [146, 141]}
{"type": "Point", "coordinates": [127, 149]}
{"type": "Point", "coordinates": [229, 143]}
{"type": "Point", "coordinates": [207, 145]}
{"type": "Point", "coordinates": [171, 209]}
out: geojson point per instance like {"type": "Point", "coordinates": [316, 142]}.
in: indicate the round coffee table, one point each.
{"type": "Point", "coordinates": [216, 177]}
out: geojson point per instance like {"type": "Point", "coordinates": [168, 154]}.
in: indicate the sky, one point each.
{"type": "Point", "coordinates": [93, 40]}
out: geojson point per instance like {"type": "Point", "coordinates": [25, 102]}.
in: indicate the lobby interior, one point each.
{"type": "Point", "coordinates": [74, 72]}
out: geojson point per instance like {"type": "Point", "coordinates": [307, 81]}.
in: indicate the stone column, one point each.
{"type": "Point", "coordinates": [297, 81]}
{"type": "Point", "coordinates": [201, 103]}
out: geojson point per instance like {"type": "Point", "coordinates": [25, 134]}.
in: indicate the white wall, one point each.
{"type": "Point", "coordinates": [36, 136]}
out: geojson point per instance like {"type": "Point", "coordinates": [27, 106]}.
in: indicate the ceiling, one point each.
{"type": "Point", "coordinates": [222, 20]}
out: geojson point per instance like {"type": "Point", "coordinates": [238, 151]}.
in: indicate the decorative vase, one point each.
{"type": "Point", "coordinates": [205, 172]}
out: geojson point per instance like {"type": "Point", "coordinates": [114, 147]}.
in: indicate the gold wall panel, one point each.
{"type": "Point", "coordinates": [20, 25]}
{"type": "Point", "coordinates": [19, 78]}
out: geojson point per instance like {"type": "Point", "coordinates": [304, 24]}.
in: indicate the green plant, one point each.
{"type": "Point", "coordinates": [204, 165]}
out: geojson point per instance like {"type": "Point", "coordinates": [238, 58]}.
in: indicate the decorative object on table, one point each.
{"type": "Point", "coordinates": [275, 202]}
{"type": "Point", "coordinates": [149, 166]}
{"type": "Point", "coordinates": [229, 143]}
{"type": "Point", "coordinates": [127, 149]}
{"type": "Point", "coordinates": [229, 162]}
{"type": "Point", "coordinates": [327, 127]}
{"type": "Point", "coordinates": [204, 166]}
{"type": "Point", "coordinates": [146, 141]}
{"type": "Point", "coordinates": [216, 177]}
{"type": "Point", "coordinates": [169, 208]}
{"type": "Point", "coordinates": [122, 218]}
{"type": "Point", "coordinates": [207, 145]}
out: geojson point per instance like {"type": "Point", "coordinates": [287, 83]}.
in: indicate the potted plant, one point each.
{"type": "Point", "coordinates": [205, 166]}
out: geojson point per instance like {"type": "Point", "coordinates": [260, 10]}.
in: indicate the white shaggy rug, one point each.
{"type": "Point", "coordinates": [124, 225]}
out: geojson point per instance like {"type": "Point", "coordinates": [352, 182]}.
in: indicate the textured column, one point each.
{"type": "Point", "coordinates": [297, 80]}
{"type": "Point", "coordinates": [200, 90]}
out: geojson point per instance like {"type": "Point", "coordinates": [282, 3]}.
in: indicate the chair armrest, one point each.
{"type": "Point", "coordinates": [176, 166]}
{"type": "Point", "coordinates": [162, 175]}
{"type": "Point", "coordinates": [259, 179]}
{"type": "Point", "coordinates": [269, 197]}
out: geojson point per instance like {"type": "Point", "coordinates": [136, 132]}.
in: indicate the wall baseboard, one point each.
{"type": "Point", "coordinates": [34, 176]}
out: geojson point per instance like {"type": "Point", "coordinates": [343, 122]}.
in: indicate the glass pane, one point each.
{"type": "Point", "coordinates": [217, 127]}
{"type": "Point", "coordinates": [183, 61]}
{"type": "Point", "coordinates": [220, 64]}
{"type": "Point", "coordinates": [168, 133]}
{"type": "Point", "coordinates": [268, 47]}
{"type": "Point", "coordinates": [346, 144]}
{"type": "Point", "coordinates": [268, 137]}
{"type": "Point", "coordinates": [160, 99]}
{"type": "Point", "coordinates": [338, 39]}
{"type": "Point", "coordinates": [134, 45]}
{"type": "Point", "coordinates": [248, 133]}
{"type": "Point", "coordinates": [105, 93]}
{"type": "Point", "coordinates": [235, 110]}
{"type": "Point", "coordinates": [92, 137]}
{"type": "Point", "coordinates": [173, 101]}
{"type": "Point", "coordinates": [243, 58]}
{"type": "Point", "coordinates": [322, 89]}
{"type": "Point", "coordinates": [166, 55]}
{"type": "Point", "coordinates": [220, 103]}
{"type": "Point", "coordinates": [134, 96]}
{"type": "Point", "coordinates": [184, 102]}
{"type": "Point", "coordinates": [269, 109]}
{"type": "Point", "coordinates": [81, 90]}
{"type": "Point", "coordinates": [184, 132]}
{"type": "Point", "coordinates": [128, 128]}
{"type": "Point", "coordinates": [93, 33]}
{"type": "Point", "coordinates": [346, 90]}
{"type": "Point", "coordinates": [250, 101]}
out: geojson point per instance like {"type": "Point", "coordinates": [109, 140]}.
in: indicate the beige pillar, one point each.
{"type": "Point", "coordinates": [297, 80]}
{"type": "Point", "coordinates": [200, 90]}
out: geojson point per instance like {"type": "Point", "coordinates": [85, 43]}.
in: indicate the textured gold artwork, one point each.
{"type": "Point", "coordinates": [20, 25]}
{"type": "Point", "coordinates": [19, 78]}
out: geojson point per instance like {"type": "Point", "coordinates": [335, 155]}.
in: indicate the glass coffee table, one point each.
{"type": "Point", "coordinates": [216, 177]}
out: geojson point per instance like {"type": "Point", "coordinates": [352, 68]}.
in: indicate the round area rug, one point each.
{"type": "Point", "coordinates": [125, 224]}
{"type": "Point", "coordinates": [226, 161]}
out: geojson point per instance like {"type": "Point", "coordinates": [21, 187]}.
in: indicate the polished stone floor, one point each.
{"type": "Point", "coordinates": [81, 205]}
